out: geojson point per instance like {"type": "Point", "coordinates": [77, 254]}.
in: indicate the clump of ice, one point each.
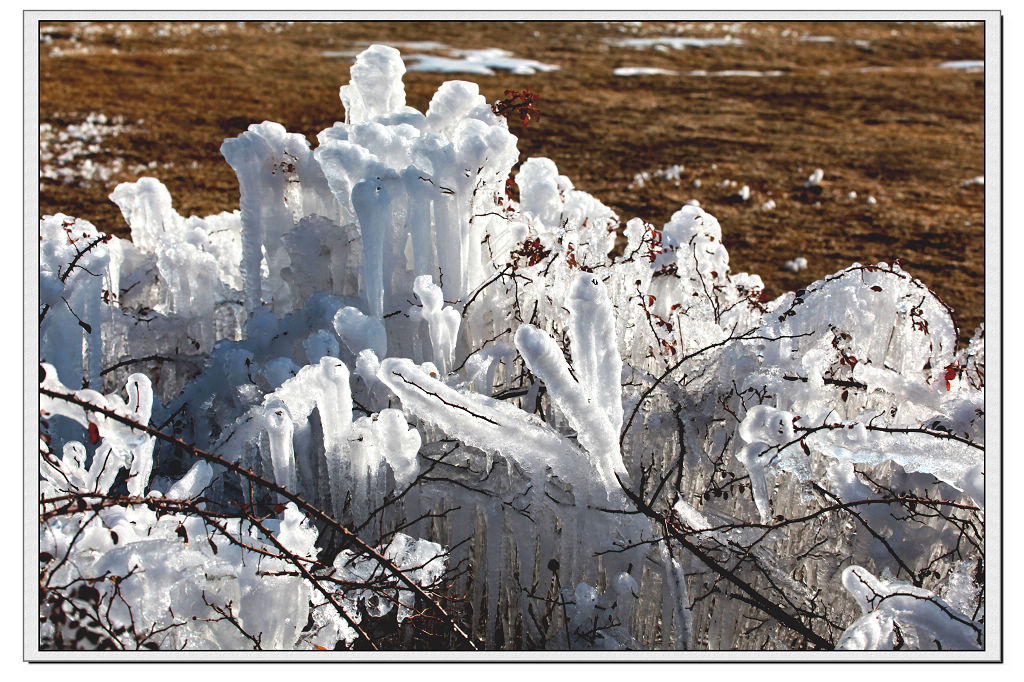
{"type": "Point", "coordinates": [796, 264]}
{"type": "Point", "coordinates": [690, 516]}
{"type": "Point", "coordinates": [376, 87]}
{"type": "Point", "coordinates": [423, 562]}
{"type": "Point", "coordinates": [671, 174]}
{"type": "Point", "coordinates": [815, 178]}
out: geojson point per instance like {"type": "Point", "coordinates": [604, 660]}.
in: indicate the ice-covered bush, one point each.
{"type": "Point", "coordinates": [385, 405]}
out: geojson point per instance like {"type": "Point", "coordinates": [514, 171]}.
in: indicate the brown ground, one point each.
{"type": "Point", "coordinates": [903, 131]}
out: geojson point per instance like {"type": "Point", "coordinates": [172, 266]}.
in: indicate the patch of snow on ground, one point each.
{"type": "Point", "coordinates": [969, 65]}
{"type": "Point", "coordinates": [679, 42]}
{"type": "Point", "coordinates": [735, 73]}
{"type": "Point", "coordinates": [643, 71]}
{"type": "Point", "coordinates": [481, 62]}
{"type": "Point", "coordinates": [348, 54]}
{"type": "Point", "coordinates": [448, 65]}
{"type": "Point", "coordinates": [420, 45]}
{"type": "Point", "coordinates": [680, 28]}
{"type": "Point", "coordinates": [978, 180]}
{"type": "Point", "coordinates": [728, 73]}
{"type": "Point", "coordinates": [87, 38]}
{"type": "Point", "coordinates": [670, 174]}
{"type": "Point", "coordinates": [66, 155]}
{"type": "Point", "coordinates": [75, 51]}
{"type": "Point", "coordinates": [817, 39]}
{"type": "Point", "coordinates": [178, 29]}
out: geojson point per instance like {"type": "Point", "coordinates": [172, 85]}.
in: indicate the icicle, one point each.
{"type": "Point", "coordinates": [495, 539]}
{"type": "Point", "coordinates": [422, 193]}
{"type": "Point", "coordinates": [679, 598]}
{"type": "Point", "coordinates": [443, 323]}
{"type": "Point", "coordinates": [372, 201]}
{"type": "Point", "coordinates": [280, 429]}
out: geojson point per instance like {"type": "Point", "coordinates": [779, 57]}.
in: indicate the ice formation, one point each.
{"type": "Point", "coordinates": [796, 265]}
{"type": "Point", "coordinates": [672, 174]}
{"type": "Point", "coordinates": [815, 178]}
{"type": "Point", "coordinates": [895, 612]}
{"type": "Point", "coordinates": [420, 388]}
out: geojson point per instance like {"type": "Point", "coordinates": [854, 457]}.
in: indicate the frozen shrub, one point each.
{"type": "Point", "coordinates": [385, 405]}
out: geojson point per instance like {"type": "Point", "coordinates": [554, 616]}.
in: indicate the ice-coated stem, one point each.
{"type": "Point", "coordinates": [593, 404]}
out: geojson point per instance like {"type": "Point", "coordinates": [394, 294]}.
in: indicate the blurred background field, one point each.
{"type": "Point", "coordinates": [646, 116]}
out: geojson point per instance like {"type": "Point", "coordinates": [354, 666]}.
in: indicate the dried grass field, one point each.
{"type": "Point", "coordinates": [889, 111]}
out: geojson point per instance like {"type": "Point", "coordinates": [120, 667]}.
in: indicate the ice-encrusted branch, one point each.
{"type": "Point", "coordinates": [672, 530]}
{"type": "Point", "coordinates": [481, 421]}
{"type": "Point", "coordinates": [310, 509]}
{"type": "Point", "coordinates": [887, 603]}
{"type": "Point", "coordinates": [749, 335]}
{"type": "Point", "coordinates": [592, 403]}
